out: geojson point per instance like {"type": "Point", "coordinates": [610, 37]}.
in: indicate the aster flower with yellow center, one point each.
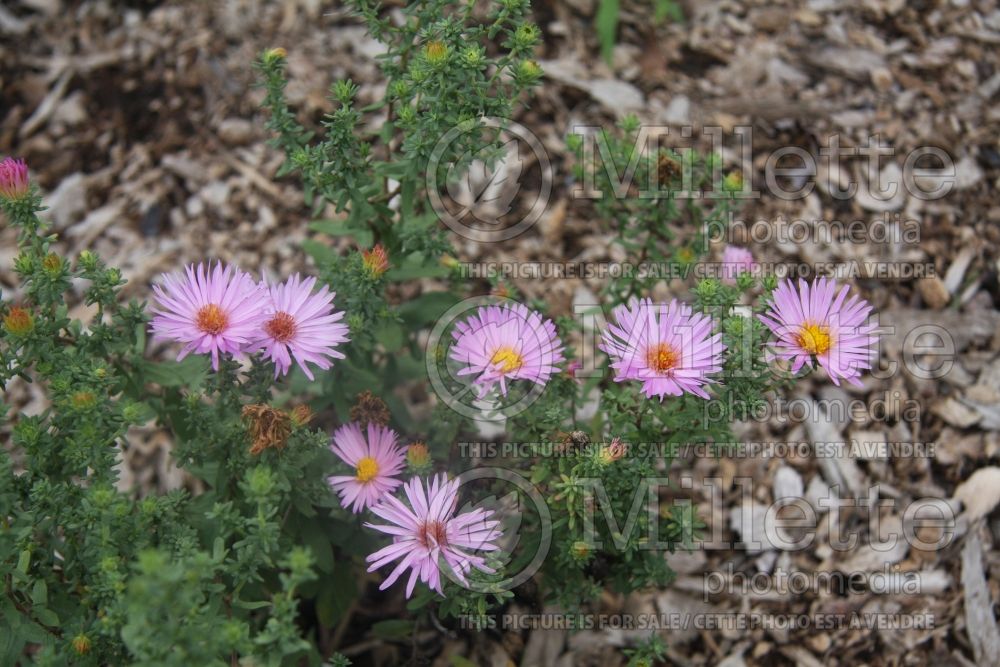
{"type": "Point", "coordinates": [506, 342]}
{"type": "Point", "coordinates": [377, 461]}
{"type": "Point", "coordinates": [816, 322]}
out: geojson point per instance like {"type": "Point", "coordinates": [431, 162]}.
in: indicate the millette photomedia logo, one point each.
{"type": "Point", "coordinates": [493, 193]}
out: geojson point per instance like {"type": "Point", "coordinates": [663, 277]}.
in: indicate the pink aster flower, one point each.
{"type": "Point", "coordinates": [506, 342]}
{"type": "Point", "coordinates": [302, 325]}
{"type": "Point", "coordinates": [13, 178]}
{"type": "Point", "coordinates": [428, 536]}
{"type": "Point", "coordinates": [736, 260]}
{"type": "Point", "coordinates": [667, 347]}
{"type": "Point", "coordinates": [214, 310]}
{"type": "Point", "coordinates": [816, 321]}
{"type": "Point", "coordinates": [376, 462]}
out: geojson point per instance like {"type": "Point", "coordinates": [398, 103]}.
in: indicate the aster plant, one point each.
{"type": "Point", "coordinates": [318, 417]}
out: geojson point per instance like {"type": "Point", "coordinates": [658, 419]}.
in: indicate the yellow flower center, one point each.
{"type": "Point", "coordinates": [367, 469]}
{"type": "Point", "coordinates": [211, 319]}
{"type": "Point", "coordinates": [508, 359]}
{"type": "Point", "coordinates": [661, 358]}
{"type": "Point", "coordinates": [813, 338]}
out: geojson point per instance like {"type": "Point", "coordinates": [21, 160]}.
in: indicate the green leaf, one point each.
{"type": "Point", "coordinates": [426, 308]}
{"type": "Point", "coordinates": [323, 254]}
{"type": "Point", "coordinates": [607, 26]}
{"type": "Point", "coordinates": [393, 629]}
{"type": "Point", "coordinates": [390, 335]}
{"type": "Point", "coordinates": [40, 593]}
{"type": "Point", "coordinates": [190, 372]}
{"type": "Point", "coordinates": [362, 236]}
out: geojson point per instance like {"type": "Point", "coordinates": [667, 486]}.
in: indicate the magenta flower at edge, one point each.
{"type": "Point", "coordinates": [427, 536]}
{"type": "Point", "coordinates": [213, 311]}
{"type": "Point", "coordinates": [736, 260]}
{"type": "Point", "coordinates": [816, 321]}
{"type": "Point", "coordinates": [302, 325]}
{"type": "Point", "coordinates": [376, 462]}
{"type": "Point", "coordinates": [13, 178]}
{"type": "Point", "coordinates": [506, 342]}
{"type": "Point", "coordinates": [667, 347]}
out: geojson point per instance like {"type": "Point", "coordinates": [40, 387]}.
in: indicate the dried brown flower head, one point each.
{"type": "Point", "coordinates": [269, 428]}
{"type": "Point", "coordinates": [370, 409]}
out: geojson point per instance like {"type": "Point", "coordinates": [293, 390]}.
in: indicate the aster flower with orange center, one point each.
{"type": "Point", "coordinates": [13, 179]}
{"type": "Point", "coordinates": [818, 322]}
{"type": "Point", "coordinates": [429, 538]}
{"type": "Point", "coordinates": [215, 310]}
{"type": "Point", "coordinates": [302, 326]}
{"type": "Point", "coordinates": [506, 342]}
{"type": "Point", "coordinates": [376, 460]}
{"type": "Point", "coordinates": [667, 347]}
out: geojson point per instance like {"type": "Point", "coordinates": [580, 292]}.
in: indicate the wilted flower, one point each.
{"type": "Point", "coordinates": [212, 311]}
{"type": "Point", "coordinates": [427, 536]}
{"type": "Point", "coordinates": [736, 260]}
{"type": "Point", "coordinates": [18, 321]}
{"type": "Point", "coordinates": [369, 409]}
{"type": "Point", "coordinates": [613, 451]}
{"type": "Point", "coordinates": [506, 342]}
{"type": "Point", "coordinates": [375, 261]}
{"type": "Point", "coordinates": [667, 347]}
{"type": "Point", "coordinates": [13, 179]}
{"type": "Point", "coordinates": [302, 325]}
{"type": "Point", "coordinates": [269, 428]}
{"type": "Point", "coordinates": [301, 415]}
{"type": "Point", "coordinates": [376, 462]}
{"type": "Point", "coordinates": [816, 321]}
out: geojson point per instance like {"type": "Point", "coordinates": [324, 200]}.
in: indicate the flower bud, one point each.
{"type": "Point", "coordinates": [418, 457]}
{"type": "Point", "coordinates": [733, 181]}
{"type": "Point", "coordinates": [580, 551]}
{"type": "Point", "coordinates": [81, 644]}
{"type": "Point", "coordinates": [376, 261]}
{"type": "Point", "coordinates": [436, 53]}
{"type": "Point", "coordinates": [52, 264]}
{"type": "Point", "coordinates": [13, 179]}
{"type": "Point", "coordinates": [274, 55]}
{"type": "Point", "coordinates": [18, 321]}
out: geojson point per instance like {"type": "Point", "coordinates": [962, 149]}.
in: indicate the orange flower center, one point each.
{"type": "Point", "coordinates": [507, 359]}
{"type": "Point", "coordinates": [366, 470]}
{"type": "Point", "coordinates": [281, 327]}
{"type": "Point", "coordinates": [661, 358]}
{"type": "Point", "coordinates": [813, 338]}
{"type": "Point", "coordinates": [211, 319]}
{"type": "Point", "coordinates": [433, 534]}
